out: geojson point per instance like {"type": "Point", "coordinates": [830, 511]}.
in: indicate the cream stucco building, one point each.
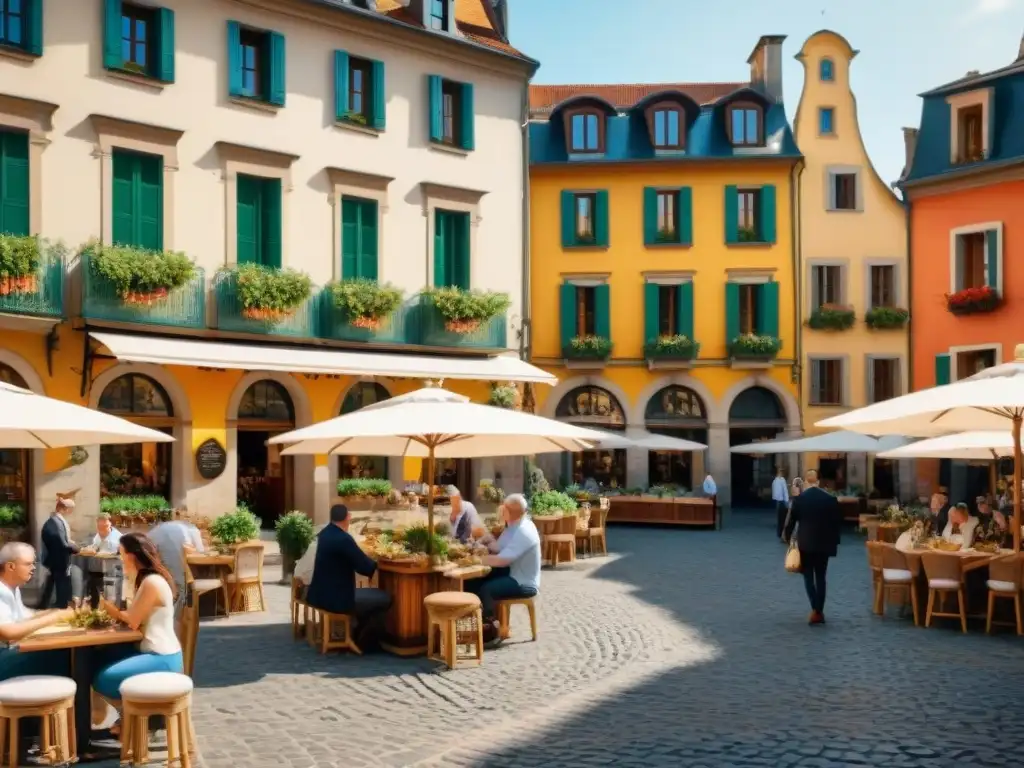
{"type": "Point", "coordinates": [853, 277]}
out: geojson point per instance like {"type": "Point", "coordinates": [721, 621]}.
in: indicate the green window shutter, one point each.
{"type": "Point", "coordinates": [247, 216]}
{"type": "Point", "coordinates": [651, 310]}
{"type": "Point", "coordinates": [165, 45]}
{"type": "Point", "coordinates": [123, 200]}
{"type": "Point", "coordinates": [271, 224]}
{"type": "Point", "coordinates": [33, 10]}
{"type": "Point", "coordinates": [467, 118]}
{"type": "Point", "coordinates": [14, 183]}
{"type": "Point", "coordinates": [568, 219]}
{"type": "Point", "coordinates": [768, 309]}
{"type": "Point", "coordinates": [340, 84]}
{"type": "Point", "coordinates": [379, 102]}
{"type": "Point", "coordinates": [349, 238]}
{"type": "Point", "coordinates": [942, 369]}
{"type": "Point", "coordinates": [368, 240]}
{"type": "Point", "coordinates": [602, 311]}
{"type": "Point", "coordinates": [732, 312]}
{"type": "Point", "coordinates": [650, 215]}
{"type": "Point", "coordinates": [440, 249]}
{"type": "Point", "coordinates": [768, 213]}
{"type": "Point", "coordinates": [234, 59]}
{"type": "Point", "coordinates": [567, 307]}
{"type": "Point", "coordinates": [684, 310]}
{"type": "Point", "coordinates": [685, 216]}
{"type": "Point", "coordinates": [436, 114]}
{"type": "Point", "coordinates": [150, 196]}
{"type": "Point", "coordinates": [112, 56]}
{"type": "Point", "coordinates": [460, 251]}
{"type": "Point", "coordinates": [601, 219]}
{"type": "Point", "coordinates": [732, 214]}
{"type": "Point", "coordinates": [278, 86]}
{"type": "Point", "coordinates": [992, 253]}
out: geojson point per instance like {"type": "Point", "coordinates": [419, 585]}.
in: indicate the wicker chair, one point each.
{"type": "Point", "coordinates": [246, 582]}
{"type": "Point", "coordinates": [874, 550]}
{"type": "Point", "coordinates": [945, 575]}
{"type": "Point", "coordinates": [1004, 581]}
{"type": "Point", "coordinates": [561, 545]}
{"type": "Point", "coordinates": [896, 575]}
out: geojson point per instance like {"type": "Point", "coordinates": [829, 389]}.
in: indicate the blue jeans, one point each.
{"type": "Point", "coordinates": [107, 682]}
{"type": "Point", "coordinates": [497, 585]}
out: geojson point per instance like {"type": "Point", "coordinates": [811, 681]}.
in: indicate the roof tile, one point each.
{"type": "Point", "coordinates": [543, 98]}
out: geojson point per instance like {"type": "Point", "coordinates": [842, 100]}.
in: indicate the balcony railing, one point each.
{"type": "Point", "coordinates": [231, 316]}
{"type": "Point", "coordinates": [334, 324]}
{"type": "Point", "coordinates": [41, 297]}
{"type": "Point", "coordinates": [432, 332]}
{"type": "Point", "coordinates": [183, 307]}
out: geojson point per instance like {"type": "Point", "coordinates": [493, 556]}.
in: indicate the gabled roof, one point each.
{"type": "Point", "coordinates": [474, 19]}
{"type": "Point", "coordinates": [544, 98]}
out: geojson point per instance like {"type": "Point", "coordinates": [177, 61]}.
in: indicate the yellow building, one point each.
{"type": "Point", "coordinates": [853, 274]}
{"type": "Point", "coordinates": [662, 271]}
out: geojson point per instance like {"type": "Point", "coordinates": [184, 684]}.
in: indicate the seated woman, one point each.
{"type": "Point", "coordinates": [961, 526]}
{"type": "Point", "coordinates": [152, 611]}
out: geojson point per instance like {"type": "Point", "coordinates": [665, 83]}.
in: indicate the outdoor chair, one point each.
{"type": "Point", "coordinates": [561, 545]}
{"type": "Point", "coordinates": [895, 576]}
{"type": "Point", "coordinates": [202, 587]}
{"type": "Point", "coordinates": [246, 582]}
{"type": "Point", "coordinates": [157, 694]}
{"type": "Point", "coordinates": [458, 620]}
{"type": "Point", "coordinates": [330, 631]}
{"type": "Point", "coordinates": [298, 606]}
{"type": "Point", "coordinates": [945, 574]}
{"type": "Point", "coordinates": [1004, 581]}
{"type": "Point", "coordinates": [50, 698]}
{"type": "Point", "coordinates": [504, 608]}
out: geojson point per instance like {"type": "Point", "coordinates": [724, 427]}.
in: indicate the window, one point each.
{"type": "Point", "coordinates": [21, 25]}
{"type": "Point", "coordinates": [971, 143]}
{"type": "Point", "coordinates": [252, 65]}
{"type": "Point", "coordinates": [826, 72]}
{"type": "Point", "coordinates": [584, 218]}
{"type": "Point", "coordinates": [586, 310]}
{"type": "Point", "coordinates": [267, 401]}
{"type": "Point", "coordinates": [972, 268]}
{"type": "Point", "coordinates": [751, 307]}
{"type": "Point", "coordinates": [744, 125]}
{"type": "Point", "coordinates": [258, 220]}
{"type": "Point", "coordinates": [358, 82]}
{"type": "Point", "coordinates": [885, 378]}
{"type": "Point", "coordinates": [362, 394]}
{"type": "Point", "coordinates": [844, 191]}
{"type": "Point", "coordinates": [667, 131]}
{"type": "Point", "coordinates": [750, 300]}
{"type": "Point", "coordinates": [883, 285]}
{"type": "Point", "coordinates": [358, 238]}
{"type": "Point", "coordinates": [138, 468]}
{"type": "Point", "coordinates": [136, 34]}
{"type": "Point", "coordinates": [586, 132]}
{"type": "Point", "coordinates": [586, 206]}
{"type": "Point", "coordinates": [668, 207]}
{"type": "Point", "coordinates": [138, 39]}
{"type": "Point", "coordinates": [256, 64]}
{"type": "Point", "coordinates": [826, 382]}
{"type": "Point", "coordinates": [826, 116]}
{"type": "Point", "coordinates": [974, 361]}
{"type": "Point", "coordinates": [668, 216]}
{"type": "Point", "coordinates": [137, 199]}
{"type": "Point", "coordinates": [451, 113]}
{"type": "Point", "coordinates": [359, 95]}
{"type": "Point", "coordinates": [439, 15]}
{"type": "Point", "coordinates": [450, 96]}
{"type": "Point", "coordinates": [668, 312]}
{"type": "Point", "coordinates": [14, 183]}
{"type": "Point", "coordinates": [826, 285]}
{"type": "Point", "coordinates": [451, 249]}
{"type": "Point", "coordinates": [750, 214]}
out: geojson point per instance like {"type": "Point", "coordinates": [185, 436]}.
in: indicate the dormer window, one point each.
{"type": "Point", "coordinates": [666, 126]}
{"type": "Point", "coordinates": [438, 15]}
{"type": "Point", "coordinates": [970, 126]}
{"type": "Point", "coordinates": [744, 123]}
{"type": "Point", "coordinates": [826, 71]}
{"type": "Point", "coordinates": [971, 121]}
{"type": "Point", "coordinates": [586, 132]}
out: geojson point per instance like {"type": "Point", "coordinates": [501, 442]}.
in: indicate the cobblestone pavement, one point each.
{"type": "Point", "coordinates": [684, 648]}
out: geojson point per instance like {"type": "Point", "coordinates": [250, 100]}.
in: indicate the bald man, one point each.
{"type": "Point", "coordinates": [817, 517]}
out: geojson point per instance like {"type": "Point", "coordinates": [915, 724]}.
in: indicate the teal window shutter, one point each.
{"type": "Point", "coordinates": [768, 309]}
{"type": "Point", "coordinates": [460, 251]}
{"type": "Point", "coordinates": [123, 197]}
{"type": "Point", "coordinates": [992, 256]}
{"type": "Point", "coordinates": [436, 114]}
{"type": "Point", "coordinates": [278, 85]}
{"type": "Point", "coordinates": [33, 10]}
{"type": "Point", "coordinates": [732, 312]}
{"type": "Point", "coordinates": [247, 217]}
{"type": "Point", "coordinates": [14, 183]}
{"type": "Point", "coordinates": [651, 310]}
{"type": "Point", "coordinates": [234, 59]}
{"type": "Point", "coordinates": [467, 118]}
{"type": "Point", "coordinates": [441, 240]}
{"type": "Point", "coordinates": [150, 195]}
{"type": "Point", "coordinates": [942, 369]}
{"type": "Point", "coordinates": [601, 219]}
{"type": "Point", "coordinates": [684, 216]}
{"type": "Point", "coordinates": [340, 85]}
{"type": "Point", "coordinates": [602, 311]}
{"type": "Point", "coordinates": [165, 45]}
{"type": "Point", "coordinates": [568, 218]}
{"type": "Point", "coordinates": [271, 225]}
{"type": "Point", "coordinates": [368, 253]}
{"type": "Point", "coordinates": [350, 233]}
{"type": "Point", "coordinates": [732, 214]}
{"type": "Point", "coordinates": [379, 102]}
{"type": "Point", "coordinates": [768, 213]}
{"type": "Point", "coordinates": [684, 310]}
{"type": "Point", "coordinates": [567, 308]}
{"type": "Point", "coordinates": [650, 216]}
{"type": "Point", "coordinates": [112, 56]}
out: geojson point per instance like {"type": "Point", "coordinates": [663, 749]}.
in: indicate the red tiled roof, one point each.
{"type": "Point", "coordinates": [471, 17]}
{"type": "Point", "coordinates": [543, 98]}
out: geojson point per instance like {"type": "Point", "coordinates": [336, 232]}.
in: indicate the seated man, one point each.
{"type": "Point", "coordinates": [105, 542]}
{"type": "Point", "coordinates": [464, 517]}
{"type": "Point", "coordinates": [961, 526]}
{"type": "Point", "coordinates": [515, 564]}
{"type": "Point", "coordinates": [175, 540]}
{"type": "Point", "coordinates": [333, 587]}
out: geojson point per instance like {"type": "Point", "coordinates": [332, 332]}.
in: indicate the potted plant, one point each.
{"type": "Point", "coordinates": [753, 345]}
{"type": "Point", "coordinates": [503, 396]}
{"type": "Point", "coordinates": [747, 235]}
{"type": "Point", "coordinates": [488, 498]}
{"type": "Point", "coordinates": [420, 541]}
{"type": "Point", "coordinates": [672, 347]}
{"type": "Point", "coordinates": [465, 311]}
{"type": "Point", "coordinates": [20, 260]}
{"type": "Point", "coordinates": [12, 523]}
{"type": "Point", "coordinates": [552, 503]}
{"type": "Point", "coordinates": [588, 348]}
{"type": "Point", "coordinates": [971, 301]}
{"type": "Point", "coordinates": [364, 494]}
{"type": "Point", "coordinates": [365, 303]}
{"type": "Point", "coordinates": [886, 318]}
{"type": "Point", "coordinates": [136, 512]}
{"type": "Point", "coordinates": [234, 528]}
{"type": "Point", "coordinates": [138, 276]}
{"type": "Point", "coordinates": [269, 294]}
{"type": "Point", "coordinates": [832, 317]}
{"type": "Point", "coordinates": [294, 532]}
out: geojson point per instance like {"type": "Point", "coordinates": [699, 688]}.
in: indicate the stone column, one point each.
{"type": "Point", "coordinates": [718, 461]}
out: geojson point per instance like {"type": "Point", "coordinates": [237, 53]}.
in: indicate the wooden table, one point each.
{"type": "Point", "coordinates": [61, 637]}
{"type": "Point", "coordinates": [973, 559]}
{"type": "Point", "coordinates": [212, 565]}
{"type": "Point", "coordinates": [684, 510]}
{"type": "Point", "coordinates": [210, 560]}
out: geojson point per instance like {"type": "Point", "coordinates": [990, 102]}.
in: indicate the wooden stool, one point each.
{"type": "Point", "coordinates": [44, 696]}
{"type": "Point", "coordinates": [445, 610]}
{"type": "Point", "coordinates": [505, 609]}
{"type": "Point", "coordinates": [320, 629]}
{"type": "Point", "coordinates": [165, 694]}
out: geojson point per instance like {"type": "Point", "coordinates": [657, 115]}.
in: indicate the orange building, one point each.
{"type": "Point", "coordinates": [964, 184]}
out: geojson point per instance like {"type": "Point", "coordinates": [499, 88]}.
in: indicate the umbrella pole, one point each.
{"type": "Point", "coordinates": [1016, 482]}
{"type": "Point", "coordinates": [993, 477]}
{"type": "Point", "coordinates": [430, 499]}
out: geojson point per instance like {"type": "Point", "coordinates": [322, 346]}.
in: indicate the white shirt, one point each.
{"type": "Point", "coordinates": [108, 545]}
{"type": "Point", "coordinates": [304, 568]}
{"type": "Point", "coordinates": [966, 536]}
{"type": "Point", "coordinates": [158, 635]}
{"type": "Point", "coordinates": [709, 486]}
{"type": "Point", "coordinates": [12, 609]}
{"type": "Point", "coordinates": [519, 543]}
{"type": "Point", "coordinates": [780, 490]}
{"type": "Point", "coordinates": [170, 539]}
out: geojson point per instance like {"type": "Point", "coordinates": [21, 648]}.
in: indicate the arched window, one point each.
{"type": "Point", "coordinates": [14, 478]}
{"type": "Point", "coordinates": [745, 124]}
{"type": "Point", "coordinates": [675, 406]}
{"type": "Point", "coordinates": [599, 408]}
{"type": "Point", "coordinates": [359, 396]}
{"type": "Point", "coordinates": [266, 400]}
{"type": "Point", "coordinates": [757, 404]}
{"type": "Point", "coordinates": [363, 394]}
{"type": "Point", "coordinates": [10, 376]}
{"type": "Point", "coordinates": [135, 395]}
{"type": "Point", "coordinates": [826, 71]}
{"type": "Point", "coordinates": [591, 405]}
{"type": "Point", "coordinates": [137, 469]}
{"type": "Point", "coordinates": [676, 411]}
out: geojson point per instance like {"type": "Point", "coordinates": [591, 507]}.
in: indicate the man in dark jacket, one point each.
{"type": "Point", "coordinates": [57, 551]}
{"type": "Point", "coordinates": [333, 587]}
{"type": "Point", "coordinates": [817, 517]}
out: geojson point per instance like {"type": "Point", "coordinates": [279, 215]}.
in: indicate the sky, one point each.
{"type": "Point", "coordinates": [906, 47]}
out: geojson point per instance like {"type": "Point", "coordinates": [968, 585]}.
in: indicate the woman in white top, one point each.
{"type": "Point", "coordinates": [152, 611]}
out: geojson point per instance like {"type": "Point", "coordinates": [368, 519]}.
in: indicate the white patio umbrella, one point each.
{"type": "Point", "coordinates": [434, 423]}
{"type": "Point", "coordinates": [28, 420]}
{"type": "Point", "coordinates": [641, 438]}
{"type": "Point", "coordinates": [841, 441]}
{"type": "Point", "coordinates": [969, 446]}
{"type": "Point", "coordinates": [990, 400]}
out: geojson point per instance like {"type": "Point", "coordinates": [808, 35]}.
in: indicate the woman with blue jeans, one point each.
{"type": "Point", "coordinates": [152, 611]}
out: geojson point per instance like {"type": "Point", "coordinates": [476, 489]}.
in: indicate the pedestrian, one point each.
{"type": "Point", "coordinates": [780, 495]}
{"type": "Point", "coordinates": [815, 521]}
{"type": "Point", "coordinates": [58, 547]}
{"type": "Point", "coordinates": [710, 489]}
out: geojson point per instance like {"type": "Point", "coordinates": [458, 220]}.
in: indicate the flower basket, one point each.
{"type": "Point", "coordinates": [747, 235]}
{"type": "Point", "coordinates": [676, 347]}
{"type": "Point", "coordinates": [588, 348]}
{"type": "Point", "coordinates": [886, 318]}
{"type": "Point", "coordinates": [755, 346]}
{"type": "Point", "coordinates": [365, 303]}
{"type": "Point", "coordinates": [462, 326]}
{"type": "Point", "coordinates": [503, 396]}
{"type": "Point", "coordinates": [266, 314]}
{"type": "Point", "coordinates": [268, 294]}
{"type": "Point", "coordinates": [973, 301]}
{"type": "Point", "coordinates": [20, 262]}
{"type": "Point", "coordinates": [147, 298]}
{"type": "Point", "coordinates": [23, 284]}
{"type": "Point", "coordinates": [465, 311]}
{"type": "Point", "coordinates": [832, 317]}
{"type": "Point", "coordinates": [139, 277]}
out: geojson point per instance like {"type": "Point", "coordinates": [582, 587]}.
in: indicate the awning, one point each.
{"type": "Point", "coordinates": [262, 357]}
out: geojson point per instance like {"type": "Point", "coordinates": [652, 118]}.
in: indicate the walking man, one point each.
{"type": "Point", "coordinates": [817, 518]}
{"type": "Point", "coordinates": [57, 551]}
{"type": "Point", "coordinates": [780, 495]}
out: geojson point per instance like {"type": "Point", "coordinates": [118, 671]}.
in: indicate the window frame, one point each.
{"type": "Point", "coordinates": [966, 153]}
{"type": "Point", "coordinates": [433, 20]}
{"type": "Point", "coordinates": [813, 294]}
{"type": "Point", "coordinates": [23, 19]}
{"type": "Point", "coordinates": [258, 41]}
{"type": "Point", "coordinates": [749, 298]}
{"type": "Point", "coordinates": [668, 309]}
{"type": "Point", "coordinates": [897, 288]}
{"type": "Point", "coordinates": [651, 114]}
{"type": "Point", "coordinates": [754, 210]}
{"type": "Point", "coordinates": [826, 70]}
{"type": "Point", "coordinates": [897, 381]}
{"type": "Point", "coordinates": [812, 395]}
{"type": "Point", "coordinates": [990, 226]}
{"type": "Point", "coordinates": [955, 352]}
{"type": "Point", "coordinates": [831, 112]}
{"type": "Point", "coordinates": [590, 238]}
{"type": "Point", "coordinates": [672, 213]}
{"type": "Point", "coordinates": [599, 116]}
{"type": "Point", "coordinates": [983, 97]}
{"type": "Point", "coordinates": [137, 13]}
{"type": "Point", "coordinates": [451, 95]}
{"type": "Point", "coordinates": [586, 294]}
{"type": "Point", "coordinates": [743, 106]}
{"type": "Point", "coordinates": [365, 69]}
{"type": "Point", "coordinates": [832, 172]}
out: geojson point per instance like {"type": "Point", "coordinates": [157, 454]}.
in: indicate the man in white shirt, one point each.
{"type": "Point", "coordinates": [106, 542]}
{"type": "Point", "coordinates": [107, 538]}
{"type": "Point", "coordinates": [464, 517]}
{"type": "Point", "coordinates": [961, 527]}
{"type": "Point", "coordinates": [780, 495]}
{"type": "Point", "coordinates": [17, 564]}
{"type": "Point", "coordinates": [172, 539]}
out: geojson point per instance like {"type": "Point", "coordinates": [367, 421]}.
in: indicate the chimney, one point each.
{"type": "Point", "coordinates": [501, 13]}
{"type": "Point", "coordinates": [1020, 50]}
{"type": "Point", "coordinates": [973, 73]}
{"type": "Point", "coordinates": [909, 148]}
{"type": "Point", "coordinates": [766, 66]}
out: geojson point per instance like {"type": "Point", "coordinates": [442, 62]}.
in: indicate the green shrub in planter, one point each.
{"type": "Point", "coordinates": [148, 507]}
{"type": "Point", "coordinates": [20, 260]}
{"type": "Point", "coordinates": [418, 540]}
{"type": "Point", "coordinates": [553, 502]}
{"type": "Point", "coordinates": [269, 294]}
{"type": "Point", "coordinates": [365, 303]}
{"type": "Point", "coordinates": [588, 348]}
{"type": "Point", "coordinates": [294, 533]}
{"type": "Point", "coordinates": [137, 275]}
{"type": "Point", "coordinates": [465, 311]}
{"type": "Point", "coordinates": [886, 318]}
{"type": "Point", "coordinates": [503, 396]}
{"type": "Point", "coordinates": [755, 345]}
{"type": "Point", "coordinates": [235, 527]}
{"type": "Point", "coordinates": [374, 487]}
{"type": "Point", "coordinates": [676, 347]}
{"type": "Point", "coordinates": [12, 516]}
{"type": "Point", "coordinates": [832, 317]}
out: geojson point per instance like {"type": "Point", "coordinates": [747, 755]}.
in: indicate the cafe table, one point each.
{"type": "Point", "coordinates": [216, 565]}
{"type": "Point", "coordinates": [106, 566]}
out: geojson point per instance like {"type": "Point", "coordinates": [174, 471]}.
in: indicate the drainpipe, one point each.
{"type": "Point", "coordinates": [910, 292]}
{"type": "Point", "coordinates": [794, 194]}
{"type": "Point", "coordinates": [525, 336]}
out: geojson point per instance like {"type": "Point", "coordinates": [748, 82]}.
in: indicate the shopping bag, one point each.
{"type": "Point", "coordinates": [793, 556]}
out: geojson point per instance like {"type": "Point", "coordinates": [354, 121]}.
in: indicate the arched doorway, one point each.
{"type": "Point", "coordinates": [676, 411]}
{"type": "Point", "coordinates": [136, 469]}
{"type": "Point", "coordinates": [362, 394]}
{"type": "Point", "coordinates": [756, 414]}
{"type": "Point", "coordinates": [591, 406]}
{"type": "Point", "coordinates": [15, 466]}
{"type": "Point", "coordinates": [264, 476]}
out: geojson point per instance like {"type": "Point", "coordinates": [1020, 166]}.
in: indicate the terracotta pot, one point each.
{"type": "Point", "coordinates": [145, 298]}
{"type": "Point", "coordinates": [259, 313]}
{"type": "Point", "coordinates": [369, 323]}
{"type": "Point", "coordinates": [462, 326]}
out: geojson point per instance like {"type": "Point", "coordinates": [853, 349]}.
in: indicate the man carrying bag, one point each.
{"type": "Point", "coordinates": [814, 524]}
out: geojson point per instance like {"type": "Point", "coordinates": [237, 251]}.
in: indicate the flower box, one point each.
{"type": "Point", "coordinates": [832, 317]}
{"type": "Point", "coordinates": [886, 318]}
{"type": "Point", "coordinates": [588, 348]}
{"type": "Point", "coordinates": [752, 346]}
{"type": "Point", "coordinates": [464, 312]}
{"type": "Point", "coordinates": [972, 301]}
{"type": "Point", "coordinates": [676, 347]}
